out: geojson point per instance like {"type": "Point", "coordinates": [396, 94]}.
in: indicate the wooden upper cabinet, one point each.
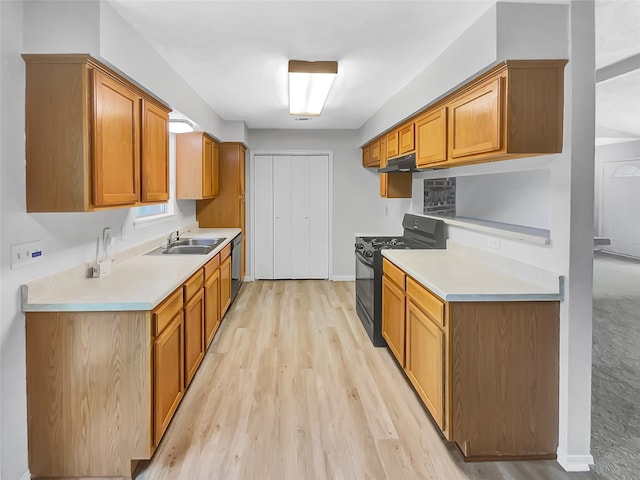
{"type": "Point", "coordinates": [197, 166]}
{"type": "Point", "coordinates": [366, 155]}
{"type": "Point", "coordinates": [88, 131]}
{"type": "Point", "coordinates": [431, 137]}
{"type": "Point", "coordinates": [406, 142]}
{"type": "Point", "coordinates": [116, 142]}
{"type": "Point", "coordinates": [393, 144]}
{"type": "Point", "coordinates": [155, 153]}
{"type": "Point", "coordinates": [476, 120]}
{"type": "Point", "coordinates": [375, 154]}
{"type": "Point", "coordinates": [513, 111]}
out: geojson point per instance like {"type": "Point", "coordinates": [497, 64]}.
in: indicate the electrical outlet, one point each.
{"type": "Point", "coordinates": [24, 254]}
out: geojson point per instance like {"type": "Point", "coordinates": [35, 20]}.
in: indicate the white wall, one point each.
{"type": "Point", "coordinates": [609, 153]}
{"type": "Point", "coordinates": [519, 198]}
{"type": "Point", "coordinates": [69, 238]}
{"type": "Point", "coordinates": [515, 31]}
{"type": "Point", "coordinates": [357, 206]}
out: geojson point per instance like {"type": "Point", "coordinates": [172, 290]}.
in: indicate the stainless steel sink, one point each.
{"type": "Point", "coordinates": [188, 246]}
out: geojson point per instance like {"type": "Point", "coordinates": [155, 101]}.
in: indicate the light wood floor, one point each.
{"type": "Point", "coordinates": [292, 388]}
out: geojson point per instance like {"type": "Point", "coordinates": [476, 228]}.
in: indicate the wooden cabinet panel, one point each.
{"type": "Point", "coordinates": [211, 266]}
{"type": "Point", "coordinates": [476, 120]}
{"type": "Point", "coordinates": [393, 318]}
{"type": "Point", "coordinates": [396, 185]}
{"type": "Point", "coordinates": [406, 141]}
{"type": "Point", "coordinates": [242, 159]}
{"type": "Point", "coordinates": [166, 311]}
{"type": "Point", "coordinates": [432, 305]}
{"type": "Point", "coordinates": [393, 144]}
{"type": "Point", "coordinates": [425, 360]}
{"type": "Point", "coordinates": [155, 154]}
{"type": "Point", "coordinates": [431, 138]}
{"type": "Point", "coordinates": [94, 139]}
{"type": "Point", "coordinates": [211, 306]}
{"type": "Point", "coordinates": [167, 373]}
{"type": "Point", "coordinates": [116, 142]}
{"type": "Point", "coordinates": [193, 336]}
{"type": "Point", "coordinates": [207, 168]}
{"type": "Point", "coordinates": [192, 285]}
{"type": "Point", "coordinates": [225, 286]}
{"type": "Point", "coordinates": [197, 167]}
{"type": "Point", "coordinates": [366, 156]}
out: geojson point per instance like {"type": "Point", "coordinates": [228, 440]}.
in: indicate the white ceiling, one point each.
{"type": "Point", "coordinates": [235, 53]}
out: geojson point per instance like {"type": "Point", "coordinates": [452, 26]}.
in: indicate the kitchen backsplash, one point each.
{"type": "Point", "coordinates": [440, 196]}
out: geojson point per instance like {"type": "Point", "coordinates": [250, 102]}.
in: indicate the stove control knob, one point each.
{"type": "Point", "coordinates": [368, 253]}
{"type": "Point", "coordinates": [359, 246]}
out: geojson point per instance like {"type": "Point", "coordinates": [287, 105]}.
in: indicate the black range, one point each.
{"type": "Point", "coordinates": [419, 233]}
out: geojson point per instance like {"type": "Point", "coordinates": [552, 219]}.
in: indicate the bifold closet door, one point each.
{"type": "Point", "coordinates": [263, 214]}
{"type": "Point", "coordinates": [282, 222]}
{"type": "Point", "coordinates": [310, 216]}
{"type": "Point", "coordinates": [291, 216]}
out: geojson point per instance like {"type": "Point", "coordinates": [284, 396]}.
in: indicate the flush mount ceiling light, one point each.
{"type": "Point", "coordinates": [309, 85]}
{"type": "Point", "coordinates": [180, 125]}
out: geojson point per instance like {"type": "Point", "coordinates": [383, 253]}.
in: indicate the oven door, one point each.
{"type": "Point", "coordinates": [365, 291]}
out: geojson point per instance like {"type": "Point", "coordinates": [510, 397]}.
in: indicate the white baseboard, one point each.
{"type": "Point", "coordinates": [26, 475]}
{"type": "Point", "coordinates": [575, 463]}
{"type": "Point", "coordinates": [343, 278]}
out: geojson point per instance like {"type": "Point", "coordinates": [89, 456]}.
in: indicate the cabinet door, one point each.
{"type": "Point", "coordinates": [431, 138]}
{"type": "Point", "coordinates": [425, 360]}
{"type": "Point", "coordinates": [393, 146]}
{"type": "Point", "coordinates": [225, 286]}
{"type": "Point", "coordinates": [366, 155]}
{"type": "Point", "coordinates": [242, 158]}
{"type": "Point", "coordinates": [155, 154]}
{"type": "Point", "coordinates": [193, 336]}
{"type": "Point", "coordinates": [167, 375]}
{"type": "Point", "coordinates": [116, 142]}
{"type": "Point", "coordinates": [215, 171]}
{"type": "Point", "coordinates": [406, 138]}
{"type": "Point", "coordinates": [211, 307]}
{"type": "Point", "coordinates": [475, 121]}
{"type": "Point", "coordinates": [207, 167]}
{"type": "Point", "coordinates": [393, 318]}
{"type": "Point", "coordinates": [374, 160]}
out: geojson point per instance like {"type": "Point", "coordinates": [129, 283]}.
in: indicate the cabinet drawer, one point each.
{"type": "Point", "coordinates": [167, 310]}
{"type": "Point", "coordinates": [427, 301]}
{"type": "Point", "coordinates": [393, 273]}
{"type": "Point", "coordinates": [225, 252]}
{"type": "Point", "coordinates": [192, 286]}
{"type": "Point", "coordinates": [211, 266]}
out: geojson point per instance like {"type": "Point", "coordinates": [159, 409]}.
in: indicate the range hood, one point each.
{"type": "Point", "coordinates": [406, 163]}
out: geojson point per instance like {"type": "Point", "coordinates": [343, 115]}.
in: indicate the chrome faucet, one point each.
{"type": "Point", "coordinates": [170, 237]}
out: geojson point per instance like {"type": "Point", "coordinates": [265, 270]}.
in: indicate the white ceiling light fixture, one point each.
{"type": "Point", "coordinates": [309, 85]}
{"type": "Point", "coordinates": [180, 125]}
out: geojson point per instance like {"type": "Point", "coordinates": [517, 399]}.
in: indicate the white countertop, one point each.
{"type": "Point", "coordinates": [464, 274]}
{"type": "Point", "coordinates": [138, 283]}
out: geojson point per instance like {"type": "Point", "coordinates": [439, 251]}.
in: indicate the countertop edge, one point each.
{"type": "Point", "coordinates": [27, 306]}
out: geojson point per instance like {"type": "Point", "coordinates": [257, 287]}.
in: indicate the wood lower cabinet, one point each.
{"type": "Point", "coordinates": [487, 372]}
{"type": "Point", "coordinates": [211, 306]}
{"type": "Point", "coordinates": [393, 318]}
{"type": "Point", "coordinates": [225, 284]}
{"type": "Point", "coordinates": [193, 335]}
{"type": "Point", "coordinates": [94, 139]}
{"type": "Point", "coordinates": [197, 166]}
{"type": "Point", "coordinates": [425, 360]}
{"type": "Point", "coordinates": [167, 375]}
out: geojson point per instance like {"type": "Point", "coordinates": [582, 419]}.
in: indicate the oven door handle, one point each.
{"type": "Point", "coordinates": [364, 260]}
